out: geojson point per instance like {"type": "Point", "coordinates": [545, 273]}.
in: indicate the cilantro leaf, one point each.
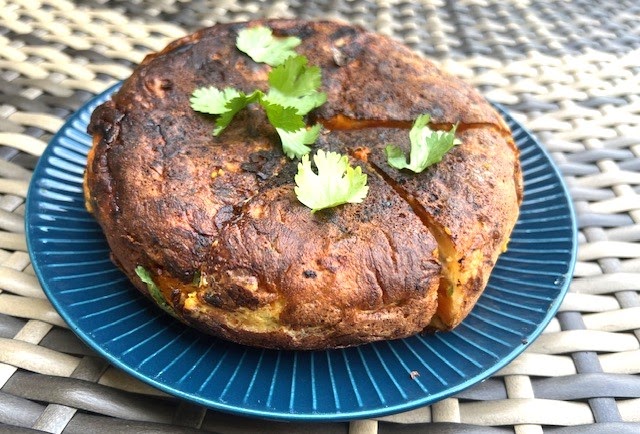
{"type": "Point", "coordinates": [226, 103]}
{"type": "Point", "coordinates": [294, 144]}
{"type": "Point", "coordinates": [281, 117]}
{"type": "Point", "coordinates": [335, 184]}
{"type": "Point", "coordinates": [153, 289]}
{"type": "Point", "coordinates": [260, 44]}
{"type": "Point", "coordinates": [233, 106]}
{"type": "Point", "coordinates": [427, 146]}
{"type": "Point", "coordinates": [395, 157]}
{"type": "Point", "coordinates": [212, 100]}
{"type": "Point", "coordinates": [294, 84]}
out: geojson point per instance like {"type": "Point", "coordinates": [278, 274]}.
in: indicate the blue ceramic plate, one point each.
{"type": "Point", "coordinates": [71, 259]}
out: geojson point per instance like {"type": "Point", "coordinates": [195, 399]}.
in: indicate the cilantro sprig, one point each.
{"type": "Point", "coordinates": [293, 92]}
{"type": "Point", "coordinates": [336, 182]}
{"type": "Point", "coordinates": [427, 146]}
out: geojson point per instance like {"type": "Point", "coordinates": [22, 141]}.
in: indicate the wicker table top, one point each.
{"type": "Point", "coordinates": [569, 71]}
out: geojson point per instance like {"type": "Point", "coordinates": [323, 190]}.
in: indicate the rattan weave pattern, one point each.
{"type": "Point", "coordinates": [568, 70]}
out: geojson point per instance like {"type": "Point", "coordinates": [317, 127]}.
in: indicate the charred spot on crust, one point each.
{"type": "Point", "coordinates": [309, 274]}
{"type": "Point", "coordinates": [344, 32]}
{"type": "Point", "coordinates": [285, 175]}
{"type": "Point", "coordinates": [105, 120]}
{"type": "Point", "coordinates": [223, 215]}
{"type": "Point", "coordinates": [233, 297]}
{"type": "Point", "coordinates": [263, 163]}
{"type": "Point", "coordinates": [298, 29]}
{"type": "Point", "coordinates": [214, 299]}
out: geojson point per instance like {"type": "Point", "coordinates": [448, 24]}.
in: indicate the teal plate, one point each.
{"type": "Point", "coordinates": [71, 259]}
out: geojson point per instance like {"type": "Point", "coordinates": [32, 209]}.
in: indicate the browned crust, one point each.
{"type": "Point", "coordinates": [182, 203]}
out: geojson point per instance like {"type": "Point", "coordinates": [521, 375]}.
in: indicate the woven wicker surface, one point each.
{"type": "Point", "coordinates": [570, 71]}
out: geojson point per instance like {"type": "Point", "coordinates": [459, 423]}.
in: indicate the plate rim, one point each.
{"type": "Point", "coordinates": [406, 405]}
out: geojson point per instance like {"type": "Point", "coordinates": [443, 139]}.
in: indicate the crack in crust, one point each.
{"type": "Point", "coordinates": [445, 244]}
{"type": "Point", "coordinates": [340, 122]}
